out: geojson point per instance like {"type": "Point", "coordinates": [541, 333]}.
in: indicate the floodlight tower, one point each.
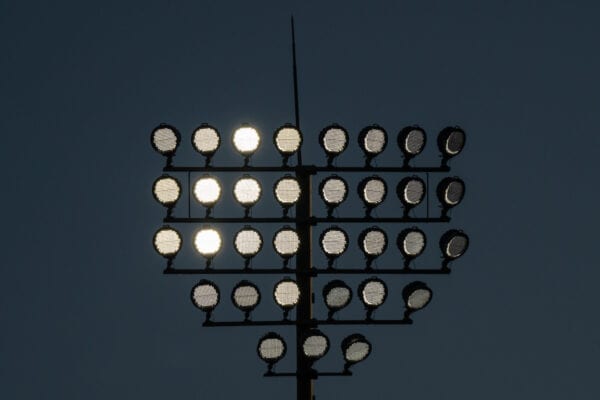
{"type": "Point", "coordinates": [293, 240]}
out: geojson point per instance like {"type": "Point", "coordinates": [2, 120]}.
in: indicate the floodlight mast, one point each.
{"type": "Point", "coordinates": [304, 220]}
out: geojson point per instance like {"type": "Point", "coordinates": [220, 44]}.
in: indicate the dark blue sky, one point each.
{"type": "Point", "coordinates": [85, 309]}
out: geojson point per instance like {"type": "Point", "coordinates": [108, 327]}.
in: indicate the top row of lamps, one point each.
{"type": "Point", "coordinates": [288, 139]}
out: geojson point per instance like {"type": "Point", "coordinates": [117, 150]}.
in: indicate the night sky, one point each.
{"type": "Point", "coordinates": [86, 312]}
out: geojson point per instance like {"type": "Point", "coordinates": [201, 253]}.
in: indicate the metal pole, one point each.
{"type": "Point", "coordinates": [304, 382]}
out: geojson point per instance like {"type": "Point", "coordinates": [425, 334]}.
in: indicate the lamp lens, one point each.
{"type": "Point", "coordinates": [374, 141]}
{"type": "Point", "coordinates": [208, 242]}
{"type": "Point", "coordinates": [206, 140]}
{"type": "Point", "coordinates": [246, 140]}
{"type": "Point", "coordinates": [287, 294]}
{"type": "Point", "coordinates": [315, 346]}
{"type": "Point", "coordinates": [167, 190]}
{"type": "Point", "coordinates": [288, 140]}
{"type": "Point", "coordinates": [205, 296]}
{"type": "Point", "coordinates": [455, 142]}
{"type": "Point", "coordinates": [338, 297]}
{"type": "Point", "coordinates": [246, 297]}
{"type": "Point", "coordinates": [373, 293]}
{"type": "Point", "coordinates": [207, 191]}
{"type": "Point", "coordinates": [374, 242]}
{"type": "Point", "coordinates": [357, 351]}
{"type": "Point", "coordinates": [334, 242]}
{"type": "Point", "coordinates": [414, 243]}
{"type": "Point", "coordinates": [247, 191]}
{"type": "Point", "coordinates": [167, 242]}
{"type": "Point", "coordinates": [271, 349]}
{"type": "Point", "coordinates": [454, 192]}
{"type": "Point", "coordinates": [287, 191]}
{"type": "Point", "coordinates": [374, 191]}
{"type": "Point", "coordinates": [165, 140]}
{"type": "Point", "coordinates": [414, 192]}
{"type": "Point", "coordinates": [286, 242]}
{"type": "Point", "coordinates": [335, 140]}
{"type": "Point", "coordinates": [334, 191]}
{"type": "Point", "coordinates": [248, 242]}
{"type": "Point", "coordinates": [414, 142]}
{"type": "Point", "coordinates": [418, 299]}
{"type": "Point", "coordinates": [456, 246]}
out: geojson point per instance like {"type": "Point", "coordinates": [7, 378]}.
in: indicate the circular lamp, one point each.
{"type": "Point", "coordinates": [271, 348]}
{"type": "Point", "coordinates": [336, 295]}
{"type": "Point", "coordinates": [334, 140]}
{"type": "Point", "coordinates": [373, 293]}
{"type": "Point", "coordinates": [245, 296]}
{"type": "Point", "coordinates": [372, 242]}
{"type": "Point", "coordinates": [410, 191]}
{"type": "Point", "coordinates": [286, 295]}
{"type": "Point", "coordinates": [247, 192]}
{"type": "Point", "coordinates": [411, 141]}
{"type": "Point", "coordinates": [167, 242]}
{"type": "Point", "coordinates": [166, 191]}
{"type": "Point", "coordinates": [205, 296]}
{"type": "Point", "coordinates": [286, 243]}
{"type": "Point", "coordinates": [246, 141]}
{"type": "Point", "coordinates": [372, 140]}
{"type": "Point", "coordinates": [287, 192]}
{"type": "Point", "coordinates": [288, 140]}
{"type": "Point", "coordinates": [315, 345]}
{"type": "Point", "coordinates": [333, 191]}
{"type": "Point", "coordinates": [207, 191]}
{"type": "Point", "coordinates": [355, 348]}
{"type": "Point", "coordinates": [416, 296]}
{"type": "Point", "coordinates": [206, 141]}
{"type": "Point", "coordinates": [248, 242]}
{"type": "Point", "coordinates": [450, 192]}
{"type": "Point", "coordinates": [372, 191]}
{"type": "Point", "coordinates": [208, 243]}
{"type": "Point", "coordinates": [411, 243]}
{"type": "Point", "coordinates": [451, 141]}
{"type": "Point", "coordinates": [165, 140]}
{"type": "Point", "coordinates": [334, 242]}
{"type": "Point", "coordinates": [453, 244]}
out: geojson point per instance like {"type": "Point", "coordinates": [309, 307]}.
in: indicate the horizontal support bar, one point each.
{"type": "Point", "coordinates": [312, 271]}
{"type": "Point", "coordinates": [314, 375]}
{"type": "Point", "coordinates": [312, 322]}
{"type": "Point", "coordinates": [312, 220]}
{"type": "Point", "coordinates": [305, 168]}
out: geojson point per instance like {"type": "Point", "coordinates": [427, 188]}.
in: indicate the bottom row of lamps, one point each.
{"type": "Point", "coordinates": [272, 348]}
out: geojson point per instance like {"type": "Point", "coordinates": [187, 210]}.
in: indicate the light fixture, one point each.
{"type": "Point", "coordinates": [165, 140]}
{"type": "Point", "coordinates": [286, 243]}
{"type": "Point", "coordinates": [450, 192]}
{"type": "Point", "coordinates": [410, 191]}
{"type": "Point", "coordinates": [245, 296]}
{"type": "Point", "coordinates": [416, 296]}
{"type": "Point", "coordinates": [206, 141]}
{"type": "Point", "coordinates": [334, 242]}
{"type": "Point", "coordinates": [246, 141]}
{"type": "Point", "coordinates": [166, 191]}
{"type": "Point", "coordinates": [372, 140]}
{"type": "Point", "coordinates": [411, 141]}
{"type": "Point", "coordinates": [248, 242]}
{"type": "Point", "coordinates": [208, 243]}
{"type": "Point", "coordinates": [356, 348]}
{"type": "Point", "coordinates": [207, 191]}
{"type": "Point", "coordinates": [334, 140]}
{"type": "Point", "coordinates": [411, 243]}
{"type": "Point", "coordinates": [336, 295]}
{"type": "Point", "coordinates": [247, 192]}
{"type": "Point", "coordinates": [333, 191]}
{"type": "Point", "coordinates": [286, 295]}
{"type": "Point", "coordinates": [451, 141]}
{"type": "Point", "coordinates": [167, 243]}
{"type": "Point", "coordinates": [315, 345]}
{"type": "Point", "coordinates": [453, 244]}
{"type": "Point", "coordinates": [271, 348]}
{"type": "Point", "coordinates": [372, 191]}
{"type": "Point", "coordinates": [288, 140]}
{"type": "Point", "coordinates": [372, 242]}
{"type": "Point", "coordinates": [373, 293]}
{"type": "Point", "coordinates": [205, 296]}
{"type": "Point", "coordinates": [287, 192]}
